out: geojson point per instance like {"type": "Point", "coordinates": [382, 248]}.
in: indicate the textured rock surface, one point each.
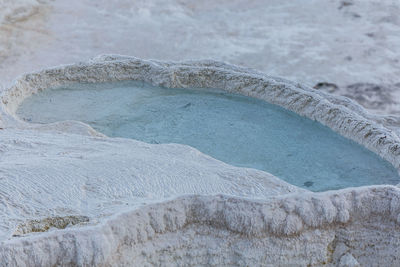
{"type": "Point", "coordinates": [307, 229]}
{"type": "Point", "coordinates": [128, 189]}
{"type": "Point", "coordinates": [337, 41]}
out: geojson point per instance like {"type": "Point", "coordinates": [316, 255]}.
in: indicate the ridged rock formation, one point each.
{"type": "Point", "coordinates": [131, 206]}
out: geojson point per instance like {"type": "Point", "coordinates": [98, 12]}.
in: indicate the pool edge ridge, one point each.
{"type": "Point", "coordinates": [349, 120]}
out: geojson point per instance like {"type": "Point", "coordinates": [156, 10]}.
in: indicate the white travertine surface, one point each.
{"type": "Point", "coordinates": [353, 44]}
{"type": "Point", "coordinates": [134, 203]}
{"type": "Point", "coordinates": [54, 176]}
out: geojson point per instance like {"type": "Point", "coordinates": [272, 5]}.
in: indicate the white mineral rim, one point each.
{"type": "Point", "coordinates": [134, 203]}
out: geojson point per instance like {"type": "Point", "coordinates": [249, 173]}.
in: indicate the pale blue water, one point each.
{"type": "Point", "coordinates": [238, 130]}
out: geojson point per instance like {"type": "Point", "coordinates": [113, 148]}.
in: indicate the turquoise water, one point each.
{"type": "Point", "coordinates": [238, 130]}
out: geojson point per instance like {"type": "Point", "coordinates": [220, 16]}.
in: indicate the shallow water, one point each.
{"type": "Point", "coordinates": [238, 130]}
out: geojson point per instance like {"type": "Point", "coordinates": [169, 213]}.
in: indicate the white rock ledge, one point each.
{"type": "Point", "coordinates": [264, 221]}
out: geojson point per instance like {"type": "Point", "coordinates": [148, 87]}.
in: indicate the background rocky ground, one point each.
{"type": "Point", "coordinates": [347, 47]}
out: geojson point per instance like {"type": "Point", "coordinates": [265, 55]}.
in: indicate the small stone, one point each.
{"type": "Point", "coordinates": [309, 183]}
{"type": "Point", "coordinates": [348, 58]}
{"type": "Point", "coordinates": [326, 86]}
{"type": "Point", "coordinates": [187, 105]}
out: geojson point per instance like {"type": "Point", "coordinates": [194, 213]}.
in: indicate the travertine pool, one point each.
{"type": "Point", "coordinates": [235, 129]}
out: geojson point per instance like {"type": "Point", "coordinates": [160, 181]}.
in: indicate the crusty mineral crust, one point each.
{"type": "Point", "coordinates": [345, 227]}
{"type": "Point", "coordinates": [297, 229]}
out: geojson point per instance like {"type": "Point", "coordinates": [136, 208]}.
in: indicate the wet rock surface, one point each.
{"type": "Point", "coordinates": [373, 96]}
{"type": "Point", "coordinates": [380, 99]}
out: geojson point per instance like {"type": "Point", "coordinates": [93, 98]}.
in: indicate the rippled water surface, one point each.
{"type": "Point", "coordinates": [238, 130]}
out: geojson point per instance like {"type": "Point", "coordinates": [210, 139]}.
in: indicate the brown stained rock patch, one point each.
{"type": "Point", "coordinates": [45, 224]}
